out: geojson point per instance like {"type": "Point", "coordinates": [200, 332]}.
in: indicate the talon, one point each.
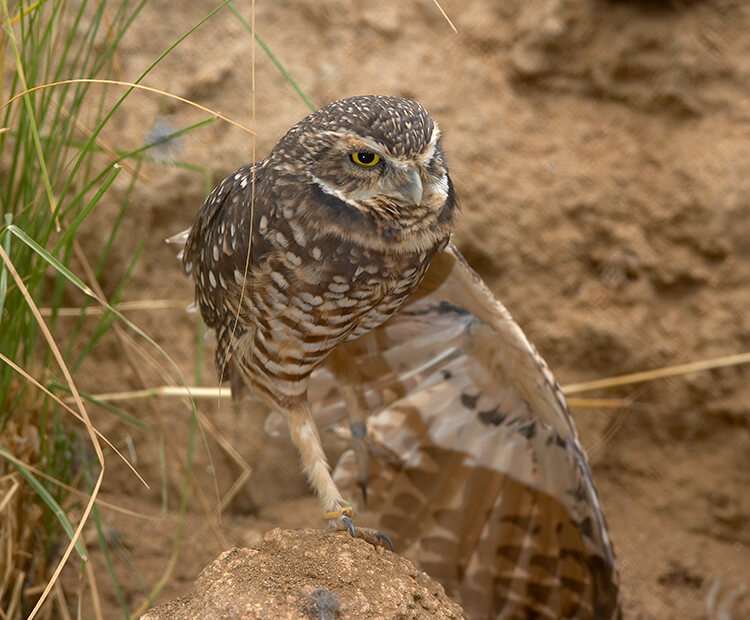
{"type": "Point", "coordinates": [350, 526]}
{"type": "Point", "coordinates": [363, 487]}
{"type": "Point", "coordinates": [374, 537]}
{"type": "Point", "coordinates": [385, 537]}
{"type": "Point", "coordinates": [344, 511]}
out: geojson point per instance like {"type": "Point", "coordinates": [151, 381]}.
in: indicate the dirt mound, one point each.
{"type": "Point", "coordinates": [311, 574]}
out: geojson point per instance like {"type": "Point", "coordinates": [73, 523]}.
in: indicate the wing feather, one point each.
{"type": "Point", "coordinates": [478, 474]}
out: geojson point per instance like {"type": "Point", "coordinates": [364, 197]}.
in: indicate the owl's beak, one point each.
{"type": "Point", "coordinates": [411, 188]}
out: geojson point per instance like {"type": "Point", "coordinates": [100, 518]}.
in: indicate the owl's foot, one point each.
{"type": "Point", "coordinates": [340, 512]}
{"type": "Point", "coordinates": [344, 522]}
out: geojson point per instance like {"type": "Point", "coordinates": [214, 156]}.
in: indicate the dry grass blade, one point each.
{"type": "Point", "coordinates": [24, 12]}
{"type": "Point", "coordinates": [172, 391]}
{"type": "Point", "coordinates": [75, 414]}
{"type": "Point", "coordinates": [236, 457]}
{"type": "Point", "coordinates": [165, 391]}
{"type": "Point", "coordinates": [138, 304]}
{"type": "Point", "coordinates": [96, 600]}
{"type": "Point", "coordinates": [445, 15]}
{"type": "Point", "coordinates": [129, 347]}
{"type": "Point", "coordinates": [659, 373]}
{"type": "Point", "coordinates": [87, 422]}
{"type": "Point", "coordinates": [16, 596]}
{"type": "Point", "coordinates": [131, 85]}
{"type": "Point", "coordinates": [189, 393]}
{"type": "Point", "coordinates": [62, 604]}
{"type": "Point", "coordinates": [85, 496]}
{"type": "Point", "coordinates": [599, 403]}
{"type": "Point", "coordinates": [9, 495]}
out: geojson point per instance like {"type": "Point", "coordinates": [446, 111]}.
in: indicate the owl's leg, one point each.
{"type": "Point", "coordinates": [305, 436]}
{"type": "Point", "coordinates": [349, 382]}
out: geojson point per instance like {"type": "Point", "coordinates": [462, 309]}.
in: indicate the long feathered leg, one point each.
{"type": "Point", "coordinates": [305, 436]}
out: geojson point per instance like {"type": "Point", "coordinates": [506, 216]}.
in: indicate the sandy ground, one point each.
{"type": "Point", "coordinates": [600, 151]}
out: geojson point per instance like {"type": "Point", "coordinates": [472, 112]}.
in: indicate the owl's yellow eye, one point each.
{"type": "Point", "coordinates": [366, 159]}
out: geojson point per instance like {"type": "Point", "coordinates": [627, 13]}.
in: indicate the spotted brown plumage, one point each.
{"type": "Point", "coordinates": [307, 249]}
{"type": "Point", "coordinates": [299, 262]}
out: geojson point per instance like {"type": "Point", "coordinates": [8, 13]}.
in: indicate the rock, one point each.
{"type": "Point", "coordinates": [311, 574]}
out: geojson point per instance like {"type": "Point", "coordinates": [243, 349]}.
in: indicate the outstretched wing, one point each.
{"type": "Point", "coordinates": [478, 475]}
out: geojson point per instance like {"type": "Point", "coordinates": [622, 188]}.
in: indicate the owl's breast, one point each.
{"type": "Point", "coordinates": [397, 276]}
{"type": "Point", "coordinates": [302, 310]}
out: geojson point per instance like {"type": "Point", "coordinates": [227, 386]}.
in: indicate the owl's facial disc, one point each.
{"type": "Point", "coordinates": [401, 183]}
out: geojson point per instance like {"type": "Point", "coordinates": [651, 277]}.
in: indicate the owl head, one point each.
{"type": "Point", "coordinates": [373, 165]}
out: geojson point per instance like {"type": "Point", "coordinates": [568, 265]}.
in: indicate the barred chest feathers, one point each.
{"type": "Point", "coordinates": [308, 297]}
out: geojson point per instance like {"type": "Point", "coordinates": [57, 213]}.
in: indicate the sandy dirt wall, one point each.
{"type": "Point", "coordinates": [600, 152]}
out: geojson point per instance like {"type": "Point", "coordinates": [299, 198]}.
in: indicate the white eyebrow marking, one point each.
{"type": "Point", "coordinates": [429, 152]}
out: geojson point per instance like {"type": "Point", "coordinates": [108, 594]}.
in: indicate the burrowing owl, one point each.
{"type": "Point", "coordinates": [299, 262]}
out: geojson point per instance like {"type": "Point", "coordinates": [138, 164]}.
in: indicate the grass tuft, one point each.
{"type": "Point", "coordinates": [55, 173]}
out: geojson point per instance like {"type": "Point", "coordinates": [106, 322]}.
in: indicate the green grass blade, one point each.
{"type": "Point", "coordinates": [97, 130]}
{"type": "Point", "coordinates": [126, 417]}
{"type": "Point", "coordinates": [104, 546]}
{"type": "Point", "coordinates": [67, 236]}
{"type": "Point", "coordinates": [28, 104]}
{"type": "Point", "coordinates": [76, 281]}
{"type": "Point", "coordinates": [108, 317]}
{"type": "Point", "coordinates": [3, 269]}
{"type": "Point", "coordinates": [274, 59]}
{"type": "Point", "coordinates": [47, 498]}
